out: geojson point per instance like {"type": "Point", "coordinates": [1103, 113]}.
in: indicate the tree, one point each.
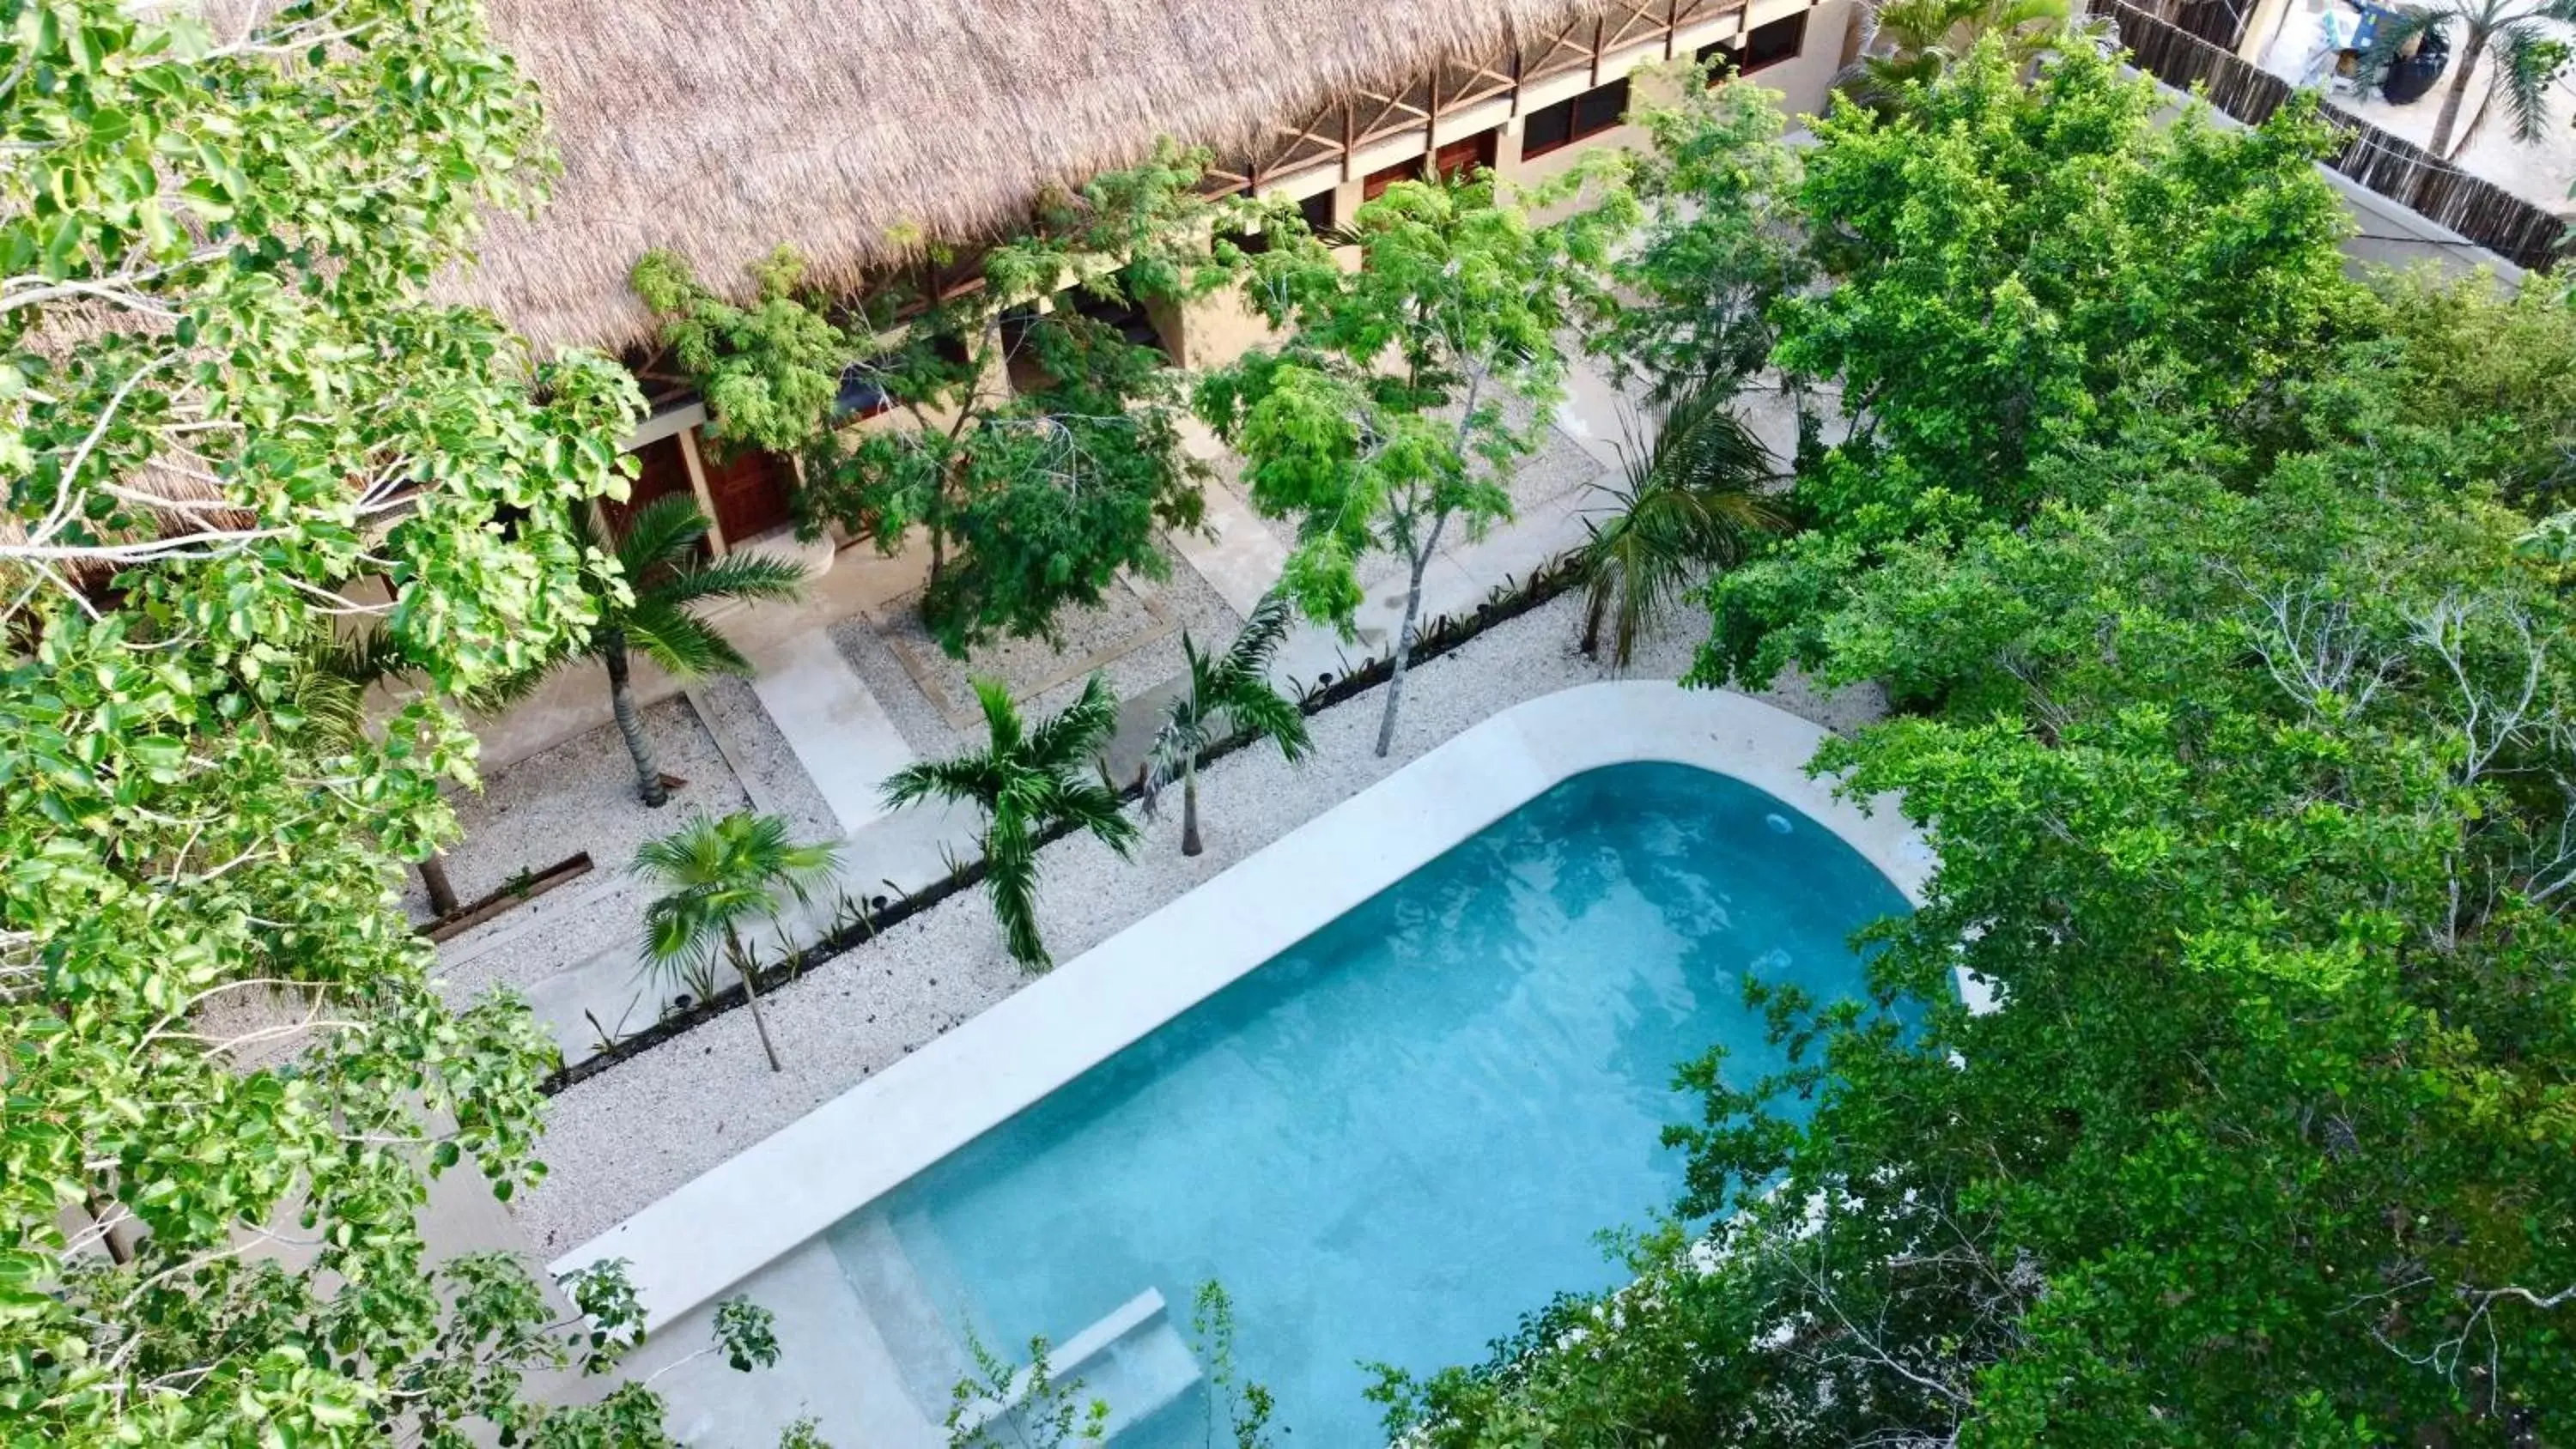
{"type": "Point", "coordinates": [225, 406]}
{"type": "Point", "coordinates": [646, 606]}
{"type": "Point", "coordinates": [1689, 503]}
{"type": "Point", "coordinates": [1467, 297]}
{"type": "Point", "coordinates": [1029, 783]}
{"type": "Point", "coordinates": [2021, 272]}
{"type": "Point", "coordinates": [2251, 798]}
{"type": "Point", "coordinates": [1719, 245]}
{"type": "Point", "coordinates": [1221, 695]}
{"type": "Point", "coordinates": [715, 877]}
{"type": "Point", "coordinates": [2521, 39]}
{"type": "Point", "coordinates": [327, 689]}
{"type": "Point", "coordinates": [769, 372]}
{"type": "Point", "coordinates": [1041, 454]}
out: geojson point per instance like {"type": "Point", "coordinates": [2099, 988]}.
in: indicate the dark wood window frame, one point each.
{"type": "Point", "coordinates": [1576, 118]}
{"type": "Point", "coordinates": [1763, 47]}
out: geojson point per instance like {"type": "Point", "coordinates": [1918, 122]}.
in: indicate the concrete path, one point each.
{"type": "Point", "coordinates": [840, 734]}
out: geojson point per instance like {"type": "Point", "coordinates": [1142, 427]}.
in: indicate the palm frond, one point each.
{"type": "Point", "coordinates": [742, 576]}
{"type": "Point", "coordinates": [1092, 806]}
{"type": "Point", "coordinates": [1003, 727]}
{"type": "Point", "coordinates": [1065, 743]}
{"type": "Point", "coordinates": [2526, 62]}
{"type": "Point", "coordinates": [967, 779]}
{"type": "Point", "coordinates": [682, 643]}
{"type": "Point", "coordinates": [1011, 874]}
{"type": "Point", "coordinates": [662, 533]}
{"type": "Point", "coordinates": [1264, 630]}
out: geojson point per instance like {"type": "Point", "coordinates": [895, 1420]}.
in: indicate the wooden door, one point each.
{"type": "Point", "coordinates": [1376, 183]}
{"type": "Point", "coordinates": [753, 492]}
{"type": "Point", "coordinates": [1460, 157]}
{"type": "Point", "coordinates": [664, 473]}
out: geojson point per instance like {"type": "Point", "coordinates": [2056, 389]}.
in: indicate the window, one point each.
{"type": "Point", "coordinates": [861, 394]}
{"type": "Point", "coordinates": [1568, 121]}
{"type": "Point", "coordinates": [1764, 45]}
{"type": "Point", "coordinates": [1318, 211]}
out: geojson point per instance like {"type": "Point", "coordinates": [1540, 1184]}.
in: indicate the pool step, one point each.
{"type": "Point", "coordinates": [1133, 1358]}
{"type": "Point", "coordinates": [887, 1281]}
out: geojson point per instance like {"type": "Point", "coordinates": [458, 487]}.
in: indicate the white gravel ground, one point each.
{"type": "Point", "coordinates": [580, 795]}
{"type": "Point", "coordinates": [646, 1126]}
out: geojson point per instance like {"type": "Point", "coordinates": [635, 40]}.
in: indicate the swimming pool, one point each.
{"type": "Point", "coordinates": [1405, 1131]}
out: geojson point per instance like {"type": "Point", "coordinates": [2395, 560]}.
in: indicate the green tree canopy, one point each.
{"type": "Point", "coordinates": [2018, 271]}
{"type": "Point", "coordinates": [1039, 448]}
{"type": "Point", "coordinates": [228, 421]}
{"type": "Point", "coordinates": [1381, 424]}
{"type": "Point", "coordinates": [2253, 810]}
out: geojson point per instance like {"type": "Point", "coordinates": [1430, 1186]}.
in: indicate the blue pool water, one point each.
{"type": "Point", "coordinates": [1403, 1133]}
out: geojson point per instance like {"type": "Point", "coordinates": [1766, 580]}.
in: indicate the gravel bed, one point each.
{"type": "Point", "coordinates": [580, 795]}
{"type": "Point", "coordinates": [1186, 599]}
{"type": "Point", "coordinates": [640, 1130]}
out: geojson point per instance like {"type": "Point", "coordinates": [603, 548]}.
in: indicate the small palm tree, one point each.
{"type": "Point", "coordinates": [716, 876]}
{"type": "Point", "coordinates": [658, 560]}
{"type": "Point", "coordinates": [1689, 503]}
{"type": "Point", "coordinates": [2517, 35]}
{"type": "Point", "coordinates": [1027, 781]}
{"type": "Point", "coordinates": [1225, 694]}
{"type": "Point", "coordinates": [1926, 36]}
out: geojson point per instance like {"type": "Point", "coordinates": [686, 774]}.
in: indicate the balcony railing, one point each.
{"type": "Point", "coordinates": [2515, 229]}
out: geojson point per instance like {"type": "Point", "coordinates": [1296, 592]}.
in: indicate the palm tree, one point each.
{"type": "Point", "coordinates": [717, 875]}
{"type": "Point", "coordinates": [1689, 502]}
{"type": "Point", "coordinates": [1225, 694]}
{"type": "Point", "coordinates": [1027, 782]}
{"type": "Point", "coordinates": [658, 559]}
{"type": "Point", "coordinates": [2518, 35]}
{"type": "Point", "coordinates": [1926, 36]}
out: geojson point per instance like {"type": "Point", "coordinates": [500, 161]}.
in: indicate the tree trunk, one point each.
{"type": "Point", "coordinates": [442, 895]}
{"type": "Point", "coordinates": [2468, 58]}
{"type": "Point", "coordinates": [1592, 612]}
{"type": "Point", "coordinates": [1190, 844]}
{"type": "Point", "coordinates": [1404, 638]}
{"type": "Point", "coordinates": [751, 998]}
{"type": "Point", "coordinates": [621, 703]}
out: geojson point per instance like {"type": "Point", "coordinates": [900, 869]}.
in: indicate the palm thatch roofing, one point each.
{"type": "Point", "coordinates": [852, 130]}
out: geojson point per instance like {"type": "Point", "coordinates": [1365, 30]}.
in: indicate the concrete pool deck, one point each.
{"type": "Point", "coordinates": [773, 1199]}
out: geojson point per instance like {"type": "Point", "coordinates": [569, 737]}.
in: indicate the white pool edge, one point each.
{"type": "Point", "coordinates": [685, 1249]}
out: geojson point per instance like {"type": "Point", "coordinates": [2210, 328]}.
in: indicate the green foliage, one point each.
{"type": "Point", "coordinates": [2020, 274]}
{"type": "Point", "coordinates": [1221, 695]}
{"type": "Point", "coordinates": [2251, 804]}
{"type": "Point", "coordinates": [1925, 37]}
{"type": "Point", "coordinates": [769, 371]}
{"type": "Point", "coordinates": [1027, 782]}
{"type": "Point", "coordinates": [1037, 496]}
{"type": "Point", "coordinates": [1719, 245]}
{"type": "Point", "coordinates": [1238, 1413]}
{"type": "Point", "coordinates": [1467, 298]}
{"type": "Point", "coordinates": [1001, 1406]}
{"type": "Point", "coordinates": [1690, 502]}
{"type": "Point", "coordinates": [222, 400]}
{"type": "Point", "coordinates": [2503, 360]}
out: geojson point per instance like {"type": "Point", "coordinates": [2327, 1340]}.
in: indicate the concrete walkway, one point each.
{"type": "Point", "coordinates": [840, 734]}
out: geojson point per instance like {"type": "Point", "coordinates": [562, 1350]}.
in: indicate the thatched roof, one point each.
{"type": "Point", "coordinates": [723, 130]}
